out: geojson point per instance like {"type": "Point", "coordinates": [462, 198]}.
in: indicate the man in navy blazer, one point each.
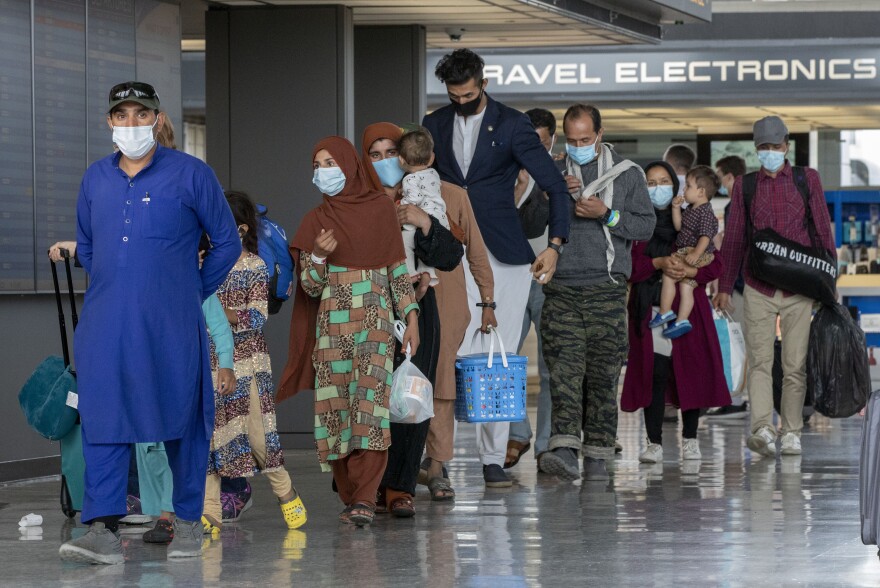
{"type": "Point", "coordinates": [481, 145]}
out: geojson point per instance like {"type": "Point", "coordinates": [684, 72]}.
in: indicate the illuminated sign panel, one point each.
{"type": "Point", "coordinates": [638, 75]}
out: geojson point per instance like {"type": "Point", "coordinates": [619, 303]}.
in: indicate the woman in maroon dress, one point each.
{"type": "Point", "coordinates": [686, 372]}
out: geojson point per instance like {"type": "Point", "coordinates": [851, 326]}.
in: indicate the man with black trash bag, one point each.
{"type": "Point", "coordinates": [786, 212]}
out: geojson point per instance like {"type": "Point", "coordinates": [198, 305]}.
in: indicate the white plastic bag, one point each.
{"type": "Point", "coordinates": [412, 395]}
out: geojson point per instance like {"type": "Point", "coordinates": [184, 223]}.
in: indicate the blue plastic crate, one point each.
{"type": "Point", "coordinates": [496, 394]}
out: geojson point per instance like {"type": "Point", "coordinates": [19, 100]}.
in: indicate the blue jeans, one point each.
{"type": "Point", "coordinates": [522, 431]}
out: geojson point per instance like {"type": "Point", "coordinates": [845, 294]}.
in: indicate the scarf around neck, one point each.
{"type": "Point", "coordinates": [603, 186]}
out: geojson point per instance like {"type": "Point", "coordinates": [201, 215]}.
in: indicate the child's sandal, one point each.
{"type": "Point", "coordinates": [294, 512]}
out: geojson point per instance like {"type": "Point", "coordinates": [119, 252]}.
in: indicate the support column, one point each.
{"type": "Point", "coordinates": [278, 79]}
{"type": "Point", "coordinates": [389, 73]}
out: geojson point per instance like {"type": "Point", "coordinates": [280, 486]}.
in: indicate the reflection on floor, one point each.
{"type": "Point", "coordinates": [732, 520]}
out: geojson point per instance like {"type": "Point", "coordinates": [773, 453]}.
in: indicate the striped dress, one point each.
{"type": "Point", "coordinates": [246, 292]}
{"type": "Point", "coordinates": [354, 353]}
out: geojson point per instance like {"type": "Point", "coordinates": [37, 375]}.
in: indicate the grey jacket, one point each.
{"type": "Point", "coordinates": [583, 261]}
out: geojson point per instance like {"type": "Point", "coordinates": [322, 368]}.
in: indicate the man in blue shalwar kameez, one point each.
{"type": "Point", "coordinates": [141, 347]}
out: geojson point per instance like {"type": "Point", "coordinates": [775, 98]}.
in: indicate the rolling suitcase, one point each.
{"type": "Point", "coordinates": [869, 472]}
{"type": "Point", "coordinates": [73, 465]}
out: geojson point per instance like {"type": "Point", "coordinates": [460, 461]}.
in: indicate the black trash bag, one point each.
{"type": "Point", "coordinates": [838, 376]}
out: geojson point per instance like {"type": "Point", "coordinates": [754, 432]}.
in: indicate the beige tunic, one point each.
{"type": "Point", "coordinates": [452, 303]}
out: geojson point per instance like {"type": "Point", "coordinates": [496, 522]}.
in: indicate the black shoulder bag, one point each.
{"type": "Point", "coordinates": [786, 264]}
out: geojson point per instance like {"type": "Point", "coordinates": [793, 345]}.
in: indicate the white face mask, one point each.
{"type": "Point", "coordinates": [134, 142]}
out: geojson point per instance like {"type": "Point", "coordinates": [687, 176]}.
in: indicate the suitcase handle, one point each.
{"type": "Point", "coordinates": [66, 254]}
{"type": "Point", "coordinates": [61, 321]}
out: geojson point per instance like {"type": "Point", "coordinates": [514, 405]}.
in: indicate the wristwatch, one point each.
{"type": "Point", "coordinates": [606, 217]}
{"type": "Point", "coordinates": [487, 305]}
{"type": "Point", "coordinates": [557, 248]}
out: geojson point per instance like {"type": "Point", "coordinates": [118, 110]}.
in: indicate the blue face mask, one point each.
{"type": "Point", "coordinates": [389, 171]}
{"type": "Point", "coordinates": [722, 191]}
{"type": "Point", "coordinates": [329, 180]}
{"type": "Point", "coordinates": [661, 196]}
{"type": "Point", "coordinates": [582, 155]}
{"type": "Point", "coordinates": [771, 160]}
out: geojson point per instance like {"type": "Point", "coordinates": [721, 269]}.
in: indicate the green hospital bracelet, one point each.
{"type": "Point", "coordinates": [613, 219]}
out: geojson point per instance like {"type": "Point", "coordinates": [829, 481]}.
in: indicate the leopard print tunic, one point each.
{"type": "Point", "coordinates": [354, 353]}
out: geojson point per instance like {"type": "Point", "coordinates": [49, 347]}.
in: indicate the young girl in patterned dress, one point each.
{"type": "Point", "coordinates": [353, 279]}
{"type": "Point", "coordinates": [245, 437]}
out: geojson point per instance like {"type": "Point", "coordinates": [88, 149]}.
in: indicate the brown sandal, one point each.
{"type": "Point", "coordinates": [515, 450]}
{"type": "Point", "coordinates": [402, 507]}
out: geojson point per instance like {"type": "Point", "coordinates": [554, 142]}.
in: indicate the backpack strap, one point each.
{"type": "Point", "coordinates": [749, 187]}
{"type": "Point", "coordinates": [800, 180]}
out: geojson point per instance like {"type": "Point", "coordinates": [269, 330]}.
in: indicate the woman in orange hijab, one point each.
{"type": "Point", "coordinates": [351, 263]}
{"type": "Point", "coordinates": [446, 305]}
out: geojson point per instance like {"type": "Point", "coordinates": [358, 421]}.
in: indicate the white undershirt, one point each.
{"type": "Point", "coordinates": [464, 139]}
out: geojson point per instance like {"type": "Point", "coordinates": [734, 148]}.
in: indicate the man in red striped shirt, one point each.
{"type": "Point", "coordinates": [777, 204]}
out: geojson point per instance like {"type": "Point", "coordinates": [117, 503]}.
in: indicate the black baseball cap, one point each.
{"type": "Point", "coordinates": [138, 92]}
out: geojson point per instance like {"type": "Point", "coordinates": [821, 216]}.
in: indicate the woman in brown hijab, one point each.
{"type": "Point", "coordinates": [379, 149]}
{"type": "Point", "coordinates": [351, 264]}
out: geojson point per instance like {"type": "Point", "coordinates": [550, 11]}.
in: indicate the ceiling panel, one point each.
{"type": "Point", "coordinates": [487, 23]}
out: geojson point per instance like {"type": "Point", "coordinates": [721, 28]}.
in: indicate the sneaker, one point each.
{"type": "Point", "coordinates": [595, 470]}
{"type": "Point", "coordinates": [653, 453]}
{"type": "Point", "coordinates": [728, 413]}
{"type": "Point", "coordinates": [542, 468]}
{"type": "Point", "coordinates": [294, 512]}
{"type": "Point", "coordinates": [162, 533]}
{"type": "Point", "coordinates": [618, 448]}
{"type": "Point", "coordinates": [134, 515]}
{"type": "Point", "coordinates": [562, 462]}
{"type": "Point", "coordinates": [677, 329]}
{"type": "Point", "coordinates": [187, 540]}
{"type": "Point", "coordinates": [235, 503]}
{"type": "Point", "coordinates": [791, 444]}
{"type": "Point", "coordinates": [661, 319]}
{"type": "Point", "coordinates": [763, 441]}
{"type": "Point", "coordinates": [99, 545]}
{"type": "Point", "coordinates": [494, 476]}
{"type": "Point", "coordinates": [690, 450]}
{"type": "Point", "coordinates": [690, 467]}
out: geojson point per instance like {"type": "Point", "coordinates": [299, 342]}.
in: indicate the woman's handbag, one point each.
{"type": "Point", "coordinates": [786, 264]}
{"type": "Point", "coordinates": [486, 391]}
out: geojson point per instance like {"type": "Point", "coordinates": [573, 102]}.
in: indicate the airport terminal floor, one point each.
{"type": "Point", "coordinates": [733, 519]}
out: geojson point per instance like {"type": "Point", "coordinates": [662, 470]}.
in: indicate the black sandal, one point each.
{"type": "Point", "coordinates": [361, 514]}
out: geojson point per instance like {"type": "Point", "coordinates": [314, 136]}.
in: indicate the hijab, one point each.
{"type": "Point", "coordinates": [662, 241]}
{"type": "Point", "coordinates": [362, 219]}
{"type": "Point", "coordinates": [392, 132]}
{"type": "Point", "coordinates": [360, 216]}
{"type": "Point", "coordinates": [373, 133]}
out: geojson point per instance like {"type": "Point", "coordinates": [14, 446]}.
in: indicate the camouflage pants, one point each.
{"type": "Point", "coordinates": [583, 331]}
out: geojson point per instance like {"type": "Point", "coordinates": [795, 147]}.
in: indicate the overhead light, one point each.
{"type": "Point", "coordinates": [192, 45]}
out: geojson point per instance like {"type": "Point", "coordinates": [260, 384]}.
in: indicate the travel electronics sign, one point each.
{"type": "Point", "coordinates": [640, 75]}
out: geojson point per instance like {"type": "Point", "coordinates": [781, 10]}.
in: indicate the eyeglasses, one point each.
{"type": "Point", "coordinates": [136, 89]}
